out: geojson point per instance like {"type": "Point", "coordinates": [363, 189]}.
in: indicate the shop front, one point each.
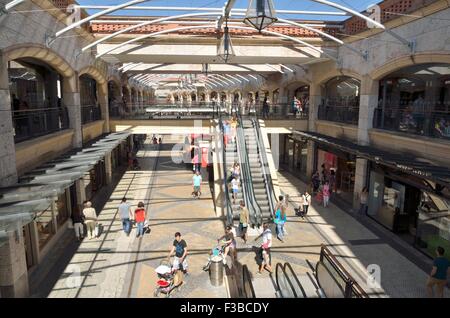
{"type": "Point", "coordinates": [95, 179]}
{"type": "Point", "coordinates": [414, 208]}
{"type": "Point", "coordinates": [294, 153]}
{"type": "Point", "coordinates": [337, 167]}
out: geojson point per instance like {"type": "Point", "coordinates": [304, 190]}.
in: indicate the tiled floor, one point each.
{"type": "Point", "coordinates": [118, 266]}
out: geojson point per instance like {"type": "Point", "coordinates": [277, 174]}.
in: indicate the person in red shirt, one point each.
{"type": "Point", "coordinates": [139, 217]}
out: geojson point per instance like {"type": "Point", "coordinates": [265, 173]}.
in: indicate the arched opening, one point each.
{"type": "Point", "coordinates": [90, 109]}
{"type": "Point", "coordinates": [416, 100]}
{"type": "Point", "coordinates": [193, 97]}
{"type": "Point", "coordinates": [223, 97]}
{"type": "Point", "coordinates": [202, 97]}
{"type": "Point", "coordinates": [126, 100]}
{"type": "Point", "coordinates": [341, 102]}
{"type": "Point", "coordinates": [114, 99]}
{"type": "Point", "coordinates": [236, 97]}
{"type": "Point", "coordinates": [36, 98]}
{"type": "Point", "coordinates": [213, 96]}
{"type": "Point", "coordinates": [133, 99]}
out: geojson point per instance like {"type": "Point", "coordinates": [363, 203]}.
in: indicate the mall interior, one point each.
{"type": "Point", "coordinates": [360, 97]}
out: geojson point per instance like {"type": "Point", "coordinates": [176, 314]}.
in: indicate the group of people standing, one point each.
{"type": "Point", "coordinates": [323, 186]}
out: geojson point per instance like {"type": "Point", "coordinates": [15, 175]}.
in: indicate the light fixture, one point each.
{"type": "Point", "coordinates": [205, 68]}
{"type": "Point", "coordinates": [260, 14]}
{"type": "Point", "coordinates": [225, 51]}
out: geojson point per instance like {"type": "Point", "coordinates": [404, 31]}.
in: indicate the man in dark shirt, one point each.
{"type": "Point", "coordinates": [179, 247]}
{"type": "Point", "coordinates": [438, 275]}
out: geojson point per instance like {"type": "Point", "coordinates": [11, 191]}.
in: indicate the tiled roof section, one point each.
{"type": "Point", "coordinates": [390, 9]}
{"type": "Point", "coordinates": [106, 28]}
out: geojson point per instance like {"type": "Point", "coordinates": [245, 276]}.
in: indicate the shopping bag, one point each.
{"type": "Point", "coordinates": [98, 229]}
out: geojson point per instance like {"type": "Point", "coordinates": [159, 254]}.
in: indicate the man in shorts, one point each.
{"type": "Point", "coordinates": [438, 275]}
{"type": "Point", "coordinates": [179, 247]}
{"type": "Point", "coordinates": [197, 182]}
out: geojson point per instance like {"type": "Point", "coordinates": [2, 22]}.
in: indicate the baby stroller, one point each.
{"type": "Point", "coordinates": [217, 251]}
{"type": "Point", "coordinates": [168, 279]}
{"type": "Point", "coordinates": [135, 165]}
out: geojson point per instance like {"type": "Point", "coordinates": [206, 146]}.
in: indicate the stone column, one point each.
{"type": "Point", "coordinates": [71, 99]}
{"type": "Point", "coordinates": [103, 101]}
{"type": "Point", "coordinates": [315, 99]}
{"type": "Point", "coordinates": [283, 100]}
{"type": "Point", "coordinates": [13, 266]}
{"type": "Point", "coordinates": [368, 103]}
{"type": "Point", "coordinates": [81, 193]}
{"type": "Point", "coordinates": [8, 172]}
{"type": "Point", "coordinates": [310, 159]}
{"type": "Point", "coordinates": [108, 168]}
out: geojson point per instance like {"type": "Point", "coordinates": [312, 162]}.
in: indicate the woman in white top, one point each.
{"type": "Point", "coordinates": [306, 202]}
{"type": "Point", "coordinates": [265, 247]}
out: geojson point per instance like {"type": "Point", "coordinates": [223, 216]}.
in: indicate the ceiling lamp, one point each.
{"type": "Point", "coordinates": [205, 68]}
{"type": "Point", "coordinates": [260, 14]}
{"type": "Point", "coordinates": [225, 51]}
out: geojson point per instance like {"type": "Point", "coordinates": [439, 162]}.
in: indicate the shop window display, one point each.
{"type": "Point", "coordinates": [433, 224]}
{"type": "Point", "coordinates": [45, 227]}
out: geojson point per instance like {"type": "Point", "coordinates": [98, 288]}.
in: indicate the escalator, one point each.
{"type": "Point", "coordinates": [262, 188]}
{"type": "Point", "coordinates": [290, 285]}
{"type": "Point", "coordinates": [237, 152]}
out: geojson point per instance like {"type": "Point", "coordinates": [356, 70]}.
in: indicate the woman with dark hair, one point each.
{"type": "Point", "coordinates": [139, 217]}
{"type": "Point", "coordinates": [230, 244]}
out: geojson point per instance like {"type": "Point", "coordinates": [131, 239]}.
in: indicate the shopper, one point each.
{"type": "Point", "coordinates": [315, 181]}
{"type": "Point", "coordinates": [306, 202]}
{"type": "Point", "coordinates": [363, 199]}
{"type": "Point", "coordinates": [77, 220]}
{"type": "Point", "coordinates": [140, 216]}
{"type": "Point", "coordinates": [244, 218]}
{"type": "Point", "coordinates": [197, 184]}
{"type": "Point", "coordinates": [439, 273]}
{"type": "Point", "coordinates": [326, 194]}
{"type": "Point", "coordinates": [90, 217]}
{"type": "Point", "coordinates": [230, 245]}
{"type": "Point", "coordinates": [265, 249]}
{"type": "Point", "coordinates": [235, 188]}
{"type": "Point", "coordinates": [179, 247]}
{"type": "Point", "coordinates": [265, 108]}
{"type": "Point", "coordinates": [280, 220]}
{"type": "Point", "coordinates": [126, 215]}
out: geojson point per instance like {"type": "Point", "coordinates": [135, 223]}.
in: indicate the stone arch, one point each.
{"type": "Point", "coordinates": [333, 72]}
{"type": "Point", "coordinates": [408, 60]}
{"type": "Point", "coordinates": [41, 53]}
{"type": "Point", "coordinates": [94, 73]}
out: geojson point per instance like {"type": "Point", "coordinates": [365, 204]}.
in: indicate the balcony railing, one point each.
{"type": "Point", "coordinates": [425, 123]}
{"type": "Point", "coordinates": [90, 113]}
{"type": "Point", "coordinates": [340, 114]}
{"type": "Point", "coordinates": [278, 111]}
{"type": "Point", "coordinates": [32, 123]}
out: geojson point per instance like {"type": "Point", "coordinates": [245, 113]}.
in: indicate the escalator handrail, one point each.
{"type": "Point", "coordinates": [246, 174]}
{"type": "Point", "coordinates": [264, 165]}
{"type": "Point", "coordinates": [227, 195]}
{"type": "Point", "coordinates": [289, 267]}
{"type": "Point", "coordinates": [280, 267]}
{"type": "Point", "coordinates": [246, 278]}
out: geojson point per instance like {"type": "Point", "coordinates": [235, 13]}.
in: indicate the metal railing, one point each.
{"type": "Point", "coordinates": [334, 280]}
{"type": "Point", "coordinates": [288, 285]}
{"type": "Point", "coordinates": [434, 124]}
{"type": "Point", "coordinates": [246, 177]}
{"type": "Point", "coordinates": [229, 208]}
{"type": "Point", "coordinates": [32, 123]}
{"type": "Point", "coordinates": [341, 114]}
{"type": "Point", "coordinates": [90, 113]}
{"type": "Point", "coordinates": [277, 111]}
{"type": "Point", "coordinates": [248, 290]}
